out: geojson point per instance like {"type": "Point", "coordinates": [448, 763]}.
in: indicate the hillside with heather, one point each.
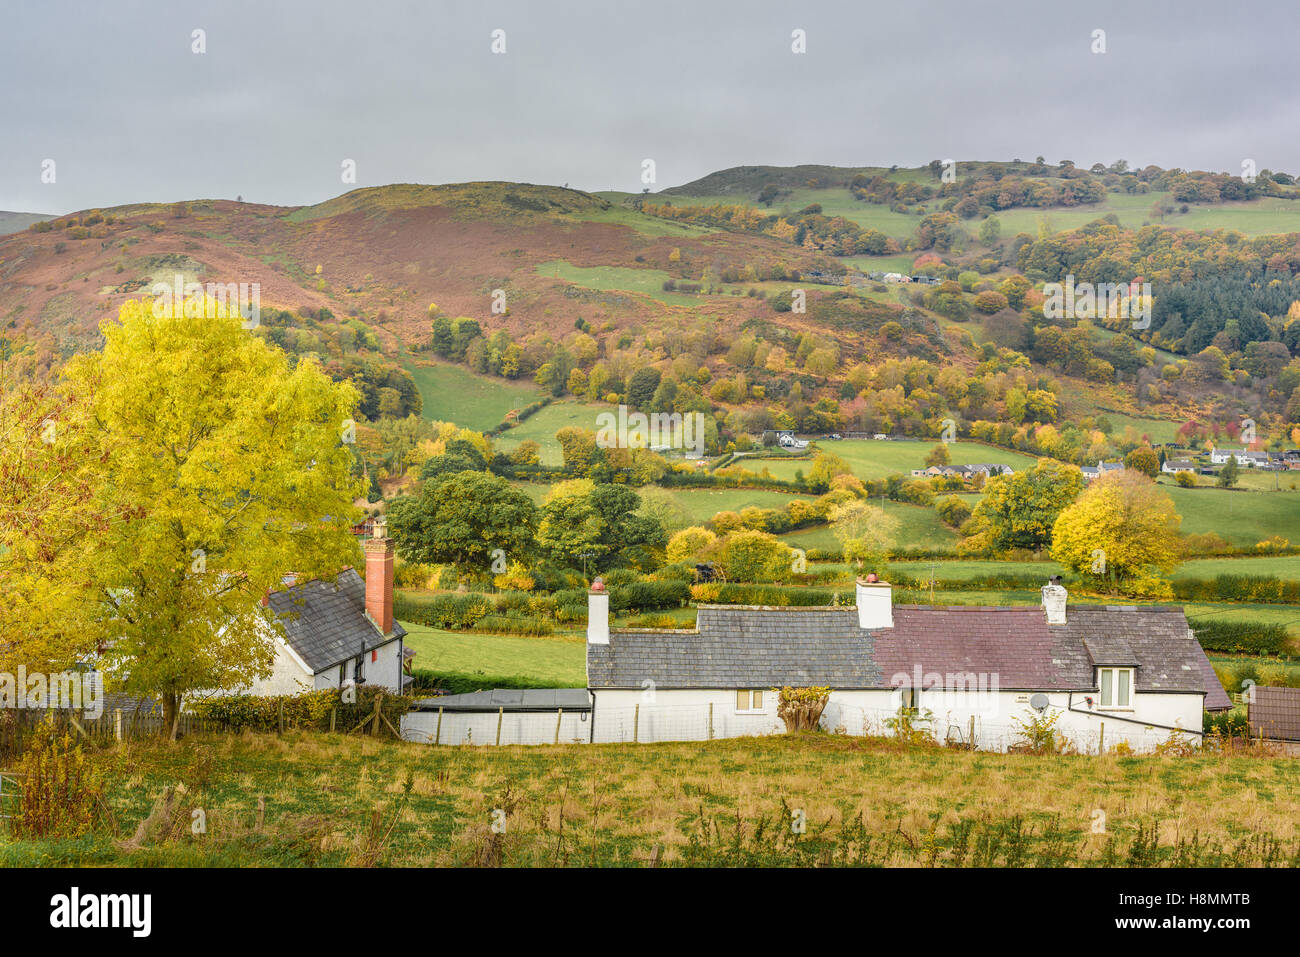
{"type": "Point", "coordinates": [569, 294]}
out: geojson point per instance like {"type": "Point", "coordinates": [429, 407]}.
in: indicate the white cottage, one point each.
{"type": "Point", "coordinates": [974, 675]}
{"type": "Point", "coordinates": [330, 631]}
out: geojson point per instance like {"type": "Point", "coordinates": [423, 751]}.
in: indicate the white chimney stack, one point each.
{"type": "Point", "coordinates": [598, 614]}
{"type": "Point", "coordinates": [1054, 598]}
{"type": "Point", "coordinates": [875, 604]}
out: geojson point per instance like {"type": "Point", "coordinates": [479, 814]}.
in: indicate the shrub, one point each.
{"type": "Point", "coordinates": [1241, 637]}
{"type": "Point", "coordinates": [61, 796]}
{"type": "Point", "coordinates": [309, 710]}
{"type": "Point", "coordinates": [801, 708]}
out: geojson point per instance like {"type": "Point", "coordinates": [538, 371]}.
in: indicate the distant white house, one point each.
{"type": "Point", "coordinates": [1244, 457]}
{"type": "Point", "coordinates": [790, 442]}
{"type": "Point", "coordinates": [1174, 466]}
{"type": "Point", "coordinates": [1091, 472]}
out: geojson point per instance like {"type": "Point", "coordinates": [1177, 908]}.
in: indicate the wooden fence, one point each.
{"type": "Point", "coordinates": [17, 725]}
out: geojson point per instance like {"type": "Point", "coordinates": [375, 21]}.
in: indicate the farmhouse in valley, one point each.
{"type": "Point", "coordinates": [974, 675]}
{"type": "Point", "coordinates": [1244, 457]}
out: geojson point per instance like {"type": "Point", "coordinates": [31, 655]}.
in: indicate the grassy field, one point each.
{"type": "Point", "coordinates": [1282, 566]}
{"type": "Point", "coordinates": [1254, 218]}
{"type": "Point", "coordinates": [1241, 517]}
{"type": "Point", "coordinates": [543, 424]}
{"type": "Point", "coordinates": [453, 393]}
{"type": "Point", "coordinates": [917, 527]}
{"type": "Point", "coordinates": [870, 459]}
{"type": "Point", "coordinates": [334, 800]}
{"type": "Point", "coordinates": [554, 660]}
{"type": "Point", "coordinates": [701, 504]}
{"type": "Point", "coordinates": [1157, 430]}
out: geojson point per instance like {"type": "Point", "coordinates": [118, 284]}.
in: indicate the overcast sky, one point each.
{"type": "Point", "coordinates": [412, 92]}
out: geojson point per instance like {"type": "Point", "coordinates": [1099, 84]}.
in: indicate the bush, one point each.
{"type": "Point", "coordinates": [443, 611]}
{"type": "Point", "coordinates": [1265, 589]}
{"type": "Point", "coordinates": [61, 796]}
{"type": "Point", "coordinates": [463, 682]}
{"type": "Point", "coordinates": [776, 595]}
{"type": "Point", "coordinates": [309, 710]}
{"type": "Point", "coordinates": [1241, 637]}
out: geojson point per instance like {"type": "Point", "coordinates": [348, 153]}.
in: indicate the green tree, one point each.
{"type": "Point", "coordinates": [751, 556]}
{"type": "Point", "coordinates": [938, 456]}
{"type": "Point", "coordinates": [1229, 474]}
{"type": "Point", "coordinates": [463, 519]}
{"type": "Point", "coordinates": [641, 387]}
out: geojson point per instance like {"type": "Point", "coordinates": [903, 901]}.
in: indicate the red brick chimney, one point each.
{"type": "Point", "coordinates": [379, 577]}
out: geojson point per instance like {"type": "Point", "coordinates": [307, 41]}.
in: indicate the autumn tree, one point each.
{"type": "Point", "coordinates": [1143, 459]}
{"type": "Point", "coordinates": [865, 533]}
{"type": "Point", "coordinates": [49, 468]}
{"type": "Point", "coordinates": [223, 469]}
{"type": "Point", "coordinates": [1124, 529]}
{"type": "Point", "coordinates": [938, 456]}
{"type": "Point", "coordinates": [1019, 510]}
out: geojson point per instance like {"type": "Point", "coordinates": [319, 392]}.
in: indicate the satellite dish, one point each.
{"type": "Point", "coordinates": [1039, 702]}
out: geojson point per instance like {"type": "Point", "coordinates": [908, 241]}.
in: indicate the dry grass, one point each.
{"type": "Point", "coordinates": [335, 800]}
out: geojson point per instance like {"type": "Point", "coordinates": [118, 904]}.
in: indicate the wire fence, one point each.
{"type": "Point", "coordinates": [652, 723]}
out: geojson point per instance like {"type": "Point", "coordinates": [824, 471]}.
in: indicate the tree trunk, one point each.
{"type": "Point", "coordinates": [171, 713]}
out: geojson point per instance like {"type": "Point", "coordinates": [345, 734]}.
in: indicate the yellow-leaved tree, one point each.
{"type": "Point", "coordinates": [223, 468]}
{"type": "Point", "coordinates": [1124, 530]}
{"type": "Point", "coordinates": [49, 513]}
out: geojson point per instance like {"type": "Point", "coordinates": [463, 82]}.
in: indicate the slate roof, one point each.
{"type": "Point", "coordinates": [511, 699]}
{"type": "Point", "coordinates": [325, 621]}
{"type": "Point", "coordinates": [748, 647]}
{"type": "Point", "coordinates": [1275, 713]}
{"type": "Point", "coordinates": [741, 647]}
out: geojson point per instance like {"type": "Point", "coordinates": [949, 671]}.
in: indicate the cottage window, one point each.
{"type": "Point", "coordinates": [749, 701]}
{"type": "Point", "coordinates": [1116, 687]}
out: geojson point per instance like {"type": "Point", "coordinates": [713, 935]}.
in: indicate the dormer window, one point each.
{"type": "Point", "coordinates": [1116, 686]}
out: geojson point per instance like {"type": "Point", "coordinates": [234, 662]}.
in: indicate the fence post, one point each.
{"type": "Point", "coordinates": [117, 723]}
{"type": "Point", "coordinates": [1101, 741]}
{"type": "Point", "coordinates": [501, 713]}
{"type": "Point", "coordinates": [282, 716]}
{"type": "Point", "coordinates": [559, 717]}
{"type": "Point", "coordinates": [437, 735]}
{"type": "Point", "coordinates": [334, 713]}
{"type": "Point", "coordinates": [636, 724]}
{"type": "Point", "coordinates": [972, 732]}
{"type": "Point", "coordinates": [710, 720]}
